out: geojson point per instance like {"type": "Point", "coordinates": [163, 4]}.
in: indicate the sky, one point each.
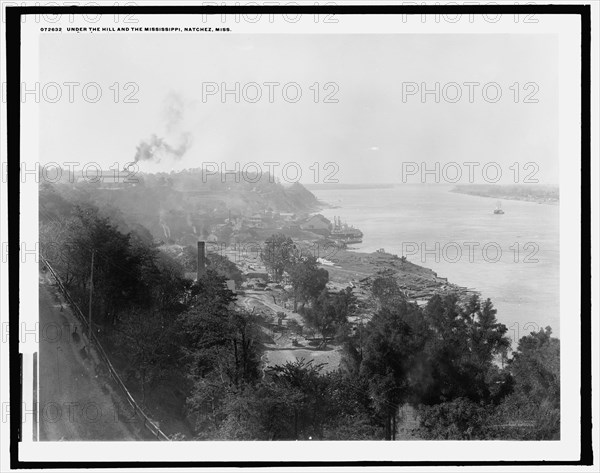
{"type": "Point", "coordinates": [372, 133]}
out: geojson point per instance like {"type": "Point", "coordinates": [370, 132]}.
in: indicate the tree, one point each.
{"type": "Point", "coordinates": [118, 284]}
{"type": "Point", "coordinates": [394, 359]}
{"type": "Point", "coordinates": [459, 419]}
{"type": "Point", "coordinates": [278, 254]}
{"type": "Point", "coordinates": [307, 279]}
{"type": "Point", "coordinates": [329, 314]}
{"type": "Point", "coordinates": [294, 327]}
{"type": "Point", "coordinates": [55, 247]}
{"type": "Point", "coordinates": [205, 321]}
{"type": "Point", "coordinates": [465, 339]}
{"type": "Point", "coordinates": [530, 412]}
{"type": "Point", "coordinates": [533, 409]}
{"type": "Point", "coordinates": [222, 349]}
{"type": "Point", "coordinates": [488, 337]}
{"type": "Point", "coordinates": [146, 342]}
{"type": "Point", "coordinates": [536, 365]}
{"type": "Point", "coordinates": [189, 258]}
{"type": "Point", "coordinates": [224, 267]}
{"type": "Point", "coordinates": [307, 391]}
{"type": "Point", "coordinates": [350, 412]}
{"type": "Point", "coordinates": [162, 285]}
{"type": "Point", "coordinates": [384, 288]}
{"type": "Point", "coordinates": [244, 335]}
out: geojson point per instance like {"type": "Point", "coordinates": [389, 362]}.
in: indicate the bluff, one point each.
{"type": "Point", "coordinates": [173, 204]}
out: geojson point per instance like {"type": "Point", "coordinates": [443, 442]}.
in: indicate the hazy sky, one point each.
{"type": "Point", "coordinates": [369, 133]}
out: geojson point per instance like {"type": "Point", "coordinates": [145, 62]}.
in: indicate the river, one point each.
{"type": "Point", "coordinates": [512, 258]}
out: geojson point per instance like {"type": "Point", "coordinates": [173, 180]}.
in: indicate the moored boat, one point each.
{"type": "Point", "coordinates": [344, 233]}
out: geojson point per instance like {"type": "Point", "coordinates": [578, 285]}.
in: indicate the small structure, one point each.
{"type": "Point", "coordinates": [201, 263]}
{"type": "Point", "coordinates": [257, 275]}
{"type": "Point", "coordinates": [230, 284]}
{"type": "Point", "coordinates": [318, 224]}
{"type": "Point", "coordinates": [286, 216]}
{"type": "Point", "coordinates": [255, 221]}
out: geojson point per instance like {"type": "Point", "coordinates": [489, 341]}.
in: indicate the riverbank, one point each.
{"type": "Point", "coordinates": [513, 259]}
{"type": "Point", "coordinates": [358, 268]}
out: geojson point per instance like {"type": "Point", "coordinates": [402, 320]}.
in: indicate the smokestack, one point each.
{"type": "Point", "coordinates": [201, 259]}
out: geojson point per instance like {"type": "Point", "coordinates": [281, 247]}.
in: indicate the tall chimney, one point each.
{"type": "Point", "coordinates": [201, 259]}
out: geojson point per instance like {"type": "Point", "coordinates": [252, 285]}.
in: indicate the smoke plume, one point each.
{"type": "Point", "coordinates": [175, 140]}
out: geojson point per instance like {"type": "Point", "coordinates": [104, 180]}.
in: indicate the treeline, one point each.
{"type": "Point", "coordinates": [193, 354]}
{"type": "Point", "coordinates": [530, 192]}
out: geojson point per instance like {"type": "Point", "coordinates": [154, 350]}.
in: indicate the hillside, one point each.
{"type": "Point", "coordinates": [172, 206]}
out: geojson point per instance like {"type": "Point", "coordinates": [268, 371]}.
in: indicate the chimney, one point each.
{"type": "Point", "coordinates": [201, 259]}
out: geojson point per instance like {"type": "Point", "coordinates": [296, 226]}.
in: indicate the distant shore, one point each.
{"type": "Point", "coordinates": [528, 193]}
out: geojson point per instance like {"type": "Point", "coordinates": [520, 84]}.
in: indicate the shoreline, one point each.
{"type": "Point", "coordinates": [512, 296]}
{"type": "Point", "coordinates": [419, 283]}
{"type": "Point", "coordinates": [351, 267]}
{"type": "Point", "coordinates": [484, 192]}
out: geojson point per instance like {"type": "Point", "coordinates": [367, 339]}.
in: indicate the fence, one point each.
{"type": "Point", "coordinates": [148, 423]}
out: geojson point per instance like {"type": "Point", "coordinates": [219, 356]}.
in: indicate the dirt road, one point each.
{"type": "Point", "coordinates": [77, 399]}
{"type": "Point", "coordinates": [283, 350]}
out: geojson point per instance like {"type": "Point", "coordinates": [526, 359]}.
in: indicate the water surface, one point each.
{"type": "Point", "coordinates": [447, 232]}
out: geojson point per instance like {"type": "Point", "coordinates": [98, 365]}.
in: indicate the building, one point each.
{"type": "Point", "coordinates": [285, 216]}
{"type": "Point", "coordinates": [105, 179]}
{"type": "Point", "coordinates": [317, 224]}
{"type": "Point", "coordinates": [230, 284]}
{"type": "Point", "coordinates": [255, 221]}
{"type": "Point", "coordinates": [257, 275]}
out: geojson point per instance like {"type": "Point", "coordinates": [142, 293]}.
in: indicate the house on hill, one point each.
{"type": "Point", "coordinates": [257, 275]}
{"type": "Point", "coordinates": [317, 224]}
{"type": "Point", "coordinates": [255, 221]}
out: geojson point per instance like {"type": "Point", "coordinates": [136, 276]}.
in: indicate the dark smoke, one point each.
{"type": "Point", "coordinates": [175, 142]}
{"type": "Point", "coordinates": [157, 149]}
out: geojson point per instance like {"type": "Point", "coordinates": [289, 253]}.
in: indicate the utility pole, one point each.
{"type": "Point", "coordinates": [90, 306]}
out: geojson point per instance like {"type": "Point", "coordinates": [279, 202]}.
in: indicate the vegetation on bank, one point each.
{"type": "Point", "coordinates": [197, 357]}
{"type": "Point", "coordinates": [527, 192]}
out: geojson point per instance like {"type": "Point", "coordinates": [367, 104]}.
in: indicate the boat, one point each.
{"type": "Point", "coordinates": [345, 234]}
{"type": "Point", "coordinates": [498, 210]}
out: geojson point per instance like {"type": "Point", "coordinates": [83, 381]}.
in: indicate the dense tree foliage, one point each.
{"type": "Point", "coordinates": [277, 254]}
{"type": "Point", "coordinates": [533, 409]}
{"type": "Point", "coordinates": [307, 279]}
{"type": "Point", "coordinates": [147, 342]}
{"type": "Point", "coordinates": [528, 410]}
{"type": "Point", "coordinates": [128, 273]}
{"type": "Point", "coordinates": [328, 314]}
{"type": "Point", "coordinates": [217, 337]}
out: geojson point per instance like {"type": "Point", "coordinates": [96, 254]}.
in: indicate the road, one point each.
{"type": "Point", "coordinates": [282, 350]}
{"type": "Point", "coordinates": [266, 299]}
{"type": "Point", "coordinates": [77, 400]}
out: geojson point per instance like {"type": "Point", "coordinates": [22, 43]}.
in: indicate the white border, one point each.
{"type": "Point", "coordinates": [567, 448]}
